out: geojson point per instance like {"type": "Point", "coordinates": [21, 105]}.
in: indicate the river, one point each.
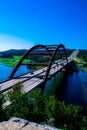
{"type": "Point", "coordinates": [72, 89]}
{"type": "Point", "coordinates": [6, 70]}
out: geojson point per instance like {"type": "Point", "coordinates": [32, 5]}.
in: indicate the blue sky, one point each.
{"type": "Point", "coordinates": [24, 23]}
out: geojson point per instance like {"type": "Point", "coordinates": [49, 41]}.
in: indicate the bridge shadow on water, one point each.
{"type": "Point", "coordinates": [53, 84]}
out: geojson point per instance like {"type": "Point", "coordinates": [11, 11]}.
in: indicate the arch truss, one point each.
{"type": "Point", "coordinates": [42, 55]}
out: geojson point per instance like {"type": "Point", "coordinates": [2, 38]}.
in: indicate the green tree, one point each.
{"type": "Point", "coordinates": [38, 107]}
{"type": "Point", "coordinates": [1, 106]}
{"type": "Point", "coordinates": [15, 93]}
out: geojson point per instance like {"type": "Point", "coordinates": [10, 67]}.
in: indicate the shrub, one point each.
{"type": "Point", "coordinates": [1, 106]}
{"type": "Point", "coordinates": [38, 107]}
{"type": "Point", "coordinates": [15, 93]}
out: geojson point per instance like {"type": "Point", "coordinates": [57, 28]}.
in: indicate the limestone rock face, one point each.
{"type": "Point", "coordinates": [21, 124]}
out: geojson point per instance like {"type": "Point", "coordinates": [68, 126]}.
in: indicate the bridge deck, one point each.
{"type": "Point", "coordinates": [31, 81]}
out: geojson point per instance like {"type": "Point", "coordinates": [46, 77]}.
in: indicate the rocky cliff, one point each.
{"type": "Point", "coordinates": [21, 124]}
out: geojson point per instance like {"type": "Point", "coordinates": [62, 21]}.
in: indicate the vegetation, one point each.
{"type": "Point", "coordinates": [1, 109]}
{"type": "Point", "coordinates": [83, 55]}
{"type": "Point", "coordinates": [11, 57]}
{"type": "Point", "coordinates": [15, 93]}
{"type": "Point", "coordinates": [12, 61]}
{"type": "Point", "coordinates": [48, 109]}
{"type": "Point", "coordinates": [11, 53]}
{"type": "Point", "coordinates": [38, 107]}
{"type": "Point", "coordinates": [81, 60]}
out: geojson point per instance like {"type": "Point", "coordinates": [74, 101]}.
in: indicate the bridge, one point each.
{"type": "Point", "coordinates": [54, 58]}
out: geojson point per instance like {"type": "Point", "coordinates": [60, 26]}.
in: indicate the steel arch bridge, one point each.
{"type": "Point", "coordinates": [54, 52]}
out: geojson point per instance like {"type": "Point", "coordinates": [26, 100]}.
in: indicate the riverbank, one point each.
{"type": "Point", "coordinates": [80, 64]}
{"type": "Point", "coordinates": [81, 60]}
{"type": "Point", "coordinates": [12, 61]}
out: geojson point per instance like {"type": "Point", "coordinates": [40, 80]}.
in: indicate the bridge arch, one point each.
{"type": "Point", "coordinates": [50, 62]}
{"type": "Point", "coordinates": [24, 56]}
{"type": "Point", "coordinates": [51, 53]}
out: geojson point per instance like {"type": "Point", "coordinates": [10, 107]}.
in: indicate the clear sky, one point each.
{"type": "Point", "coordinates": [24, 23]}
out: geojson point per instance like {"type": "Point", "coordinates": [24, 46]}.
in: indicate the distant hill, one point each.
{"type": "Point", "coordinates": [10, 53]}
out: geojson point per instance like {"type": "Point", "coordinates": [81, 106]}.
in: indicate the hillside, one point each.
{"type": "Point", "coordinates": [12, 52]}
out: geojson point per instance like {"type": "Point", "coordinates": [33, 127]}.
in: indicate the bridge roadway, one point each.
{"type": "Point", "coordinates": [32, 80]}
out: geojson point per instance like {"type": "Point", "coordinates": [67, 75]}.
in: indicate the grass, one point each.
{"type": "Point", "coordinates": [85, 69]}
{"type": "Point", "coordinates": [12, 61]}
{"type": "Point", "coordinates": [77, 60]}
{"type": "Point", "coordinates": [80, 63]}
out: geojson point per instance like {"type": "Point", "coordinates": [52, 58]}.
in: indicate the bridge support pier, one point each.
{"type": "Point", "coordinates": [42, 86]}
